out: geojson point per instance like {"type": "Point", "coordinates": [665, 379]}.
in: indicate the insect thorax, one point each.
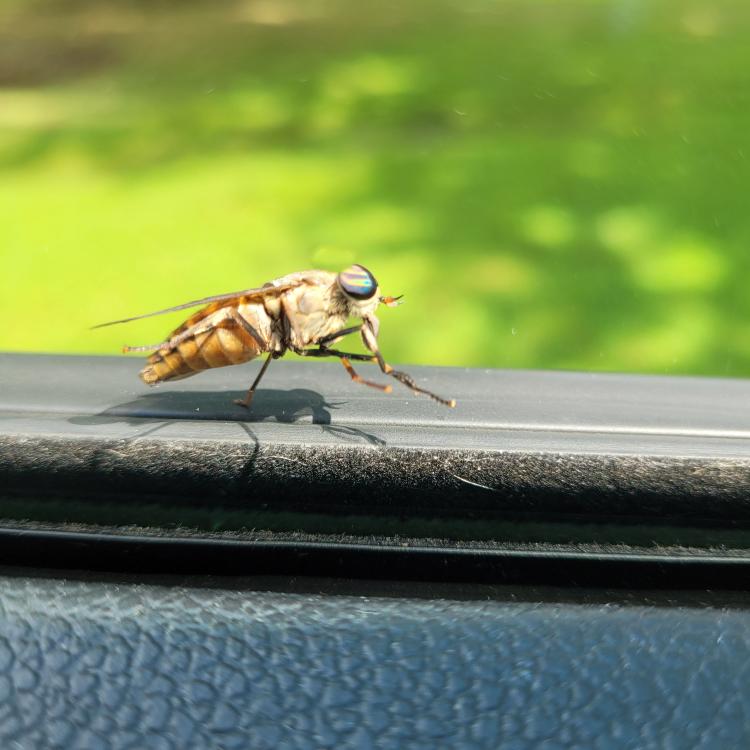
{"type": "Point", "coordinates": [313, 312]}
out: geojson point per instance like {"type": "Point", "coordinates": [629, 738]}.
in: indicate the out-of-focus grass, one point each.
{"type": "Point", "coordinates": [558, 185]}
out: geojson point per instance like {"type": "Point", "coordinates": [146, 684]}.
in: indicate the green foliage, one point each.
{"type": "Point", "coordinates": [556, 185]}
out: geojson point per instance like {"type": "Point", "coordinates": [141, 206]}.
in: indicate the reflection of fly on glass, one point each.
{"type": "Point", "coordinates": [307, 308]}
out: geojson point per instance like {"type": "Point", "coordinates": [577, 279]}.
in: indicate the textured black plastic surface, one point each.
{"type": "Point", "coordinates": [531, 469]}
{"type": "Point", "coordinates": [518, 408]}
{"type": "Point", "coordinates": [517, 442]}
{"type": "Point", "coordinates": [103, 665]}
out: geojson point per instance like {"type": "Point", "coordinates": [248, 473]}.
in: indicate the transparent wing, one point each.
{"type": "Point", "coordinates": [224, 299]}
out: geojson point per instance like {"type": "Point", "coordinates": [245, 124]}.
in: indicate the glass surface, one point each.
{"type": "Point", "coordinates": [549, 184]}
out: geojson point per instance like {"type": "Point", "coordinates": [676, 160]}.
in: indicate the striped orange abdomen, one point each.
{"type": "Point", "coordinates": [223, 337]}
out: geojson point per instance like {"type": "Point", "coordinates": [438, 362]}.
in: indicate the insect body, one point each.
{"type": "Point", "coordinates": [305, 312]}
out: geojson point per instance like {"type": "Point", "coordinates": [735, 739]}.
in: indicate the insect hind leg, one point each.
{"type": "Point", "coordinates": [251, 391]}
{"type": "Point", "coordinates": [143, 348]}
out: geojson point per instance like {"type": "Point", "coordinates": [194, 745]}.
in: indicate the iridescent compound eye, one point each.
{"type": "Point", "coordinates": [358, 282]}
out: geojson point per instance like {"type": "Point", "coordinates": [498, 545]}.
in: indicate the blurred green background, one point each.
{"type": "Point", "coordinates": [550, 184]}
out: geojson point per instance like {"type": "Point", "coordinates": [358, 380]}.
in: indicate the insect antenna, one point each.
{"type": "Point", "coordinates": [392, 301]}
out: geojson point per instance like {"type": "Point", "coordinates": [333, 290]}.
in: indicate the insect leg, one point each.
{"type": "Point", "coordinates": [251, 391]}
{"type": "Point", "coordinates": [338, 334]}
{"type": "Point", "coordinates": [371, 342]}
{"type": "Point", "coordinates": [143, 348]}
{"type": "Point", "coordinates": [408, 381]}
{"type": "Point", "coordinates": [359, 379]}
{"type": "Point", "coordinates": [324, 351]}
{"type": "Point", "coordinates": [344, 357]}
{"type": "Point", "coordinates": [249, 328]}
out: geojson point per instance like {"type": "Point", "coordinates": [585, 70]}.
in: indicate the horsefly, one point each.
{"type": "Point", "coordinates": [304, 312]}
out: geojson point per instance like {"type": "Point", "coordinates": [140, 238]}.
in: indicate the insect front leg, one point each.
{"type": "Point", "coordinates": [369, 337]}
{"type": "Point", "coordinates": [338, 334]}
